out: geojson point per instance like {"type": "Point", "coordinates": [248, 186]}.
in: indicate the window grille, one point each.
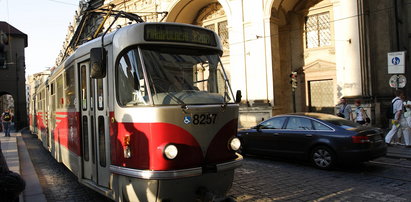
{"type": "Point", "coordinates": [210, 27]}
{"type": "Point", "coordinates": [223, 33]}
{"type": "Point", "coordinates": [318, 30]}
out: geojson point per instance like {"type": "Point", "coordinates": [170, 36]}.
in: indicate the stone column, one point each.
{"type": "Point", "coordinates": [347, 46]}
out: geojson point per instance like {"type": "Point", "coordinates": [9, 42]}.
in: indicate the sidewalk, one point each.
{"type": "Point", "coordinates": [399, 151]}
{"type": "Point", "coordinates": [18, 161]}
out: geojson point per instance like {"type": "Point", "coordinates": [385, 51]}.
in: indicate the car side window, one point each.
{"type": "Point", "coordinates": [298, 123]}
{"type": "Point", "coordinates": [275, 123]}
{"type": "Point", "coordinates": [320, 126]}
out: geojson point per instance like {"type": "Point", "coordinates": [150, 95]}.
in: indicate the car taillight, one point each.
{"type": "Point", "coordinates": [360, 139]}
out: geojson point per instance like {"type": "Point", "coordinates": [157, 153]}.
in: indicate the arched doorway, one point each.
{"type": "Point", "coordinates": [6, 102]}
{"type": "Point", "coordinates": [302, 41]}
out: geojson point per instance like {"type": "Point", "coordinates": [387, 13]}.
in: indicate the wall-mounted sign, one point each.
{"type": "Point", "coordinates": [396, 62]}
{"type": "Point", "coordinates": [397, 81]}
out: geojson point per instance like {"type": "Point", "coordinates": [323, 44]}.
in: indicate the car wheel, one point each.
{"type": "Point", "coordinates": [323, 157]}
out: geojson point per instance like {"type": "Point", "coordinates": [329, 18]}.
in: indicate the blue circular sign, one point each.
{"type": "Point", "coordinates": [395, 60]}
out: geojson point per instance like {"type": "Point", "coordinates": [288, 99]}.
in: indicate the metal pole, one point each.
{"type": "Point", "coordinates": [294, 105]}
{"type": "Point", "coordinates": [17, 101]}
{"type": "Point", "coordinates": [397, 82]}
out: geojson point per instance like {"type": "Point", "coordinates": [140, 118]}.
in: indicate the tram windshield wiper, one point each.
{"type": "Point", "coordinates": [178, 100]}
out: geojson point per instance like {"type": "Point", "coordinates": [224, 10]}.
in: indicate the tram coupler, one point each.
{"type": "Point", "coordinates": [208, 196]}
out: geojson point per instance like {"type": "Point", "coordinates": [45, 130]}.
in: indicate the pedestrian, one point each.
{"type": "Point", "coordinates": [11, 183]}
{"type": "Point", "coordinates": [345, 110]}
{"type": "Point", "coordinates": [6, 118]}
{"type": "Point", "coordinates": [398, 121]}
{"type": "Point", "coordinates": [360, 113]}
{"type": "Point", "coordinates": [407, 116]}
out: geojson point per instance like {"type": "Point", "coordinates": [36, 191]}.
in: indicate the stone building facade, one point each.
{"type": "Point", "coordinates": [12, 72]}
{"type": "Point", "coordinates": [337, 47]}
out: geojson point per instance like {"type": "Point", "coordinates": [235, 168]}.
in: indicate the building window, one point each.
{"type": "Point", "coordinates": [213, 17]}
{"type": "Point", "coordinates": [318, 30]}
{"type": "Point", "coordinates": [223, 33]}
{"type": "Point", "coordinates": [3, 57]}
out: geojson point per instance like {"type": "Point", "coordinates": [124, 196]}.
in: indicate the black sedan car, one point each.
{"type": "Point", "coordinates": [323, 139]}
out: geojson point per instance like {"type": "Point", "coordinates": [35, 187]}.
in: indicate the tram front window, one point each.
{"type": "Point", "coordinates": [185, 77]}
{"type": "Point", "coordinates": [131, 90]}
{"type": "Point", "coordinates": [174, 77]}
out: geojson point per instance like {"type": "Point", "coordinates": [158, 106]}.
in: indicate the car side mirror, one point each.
{"type": "Point", "coordinates": [238, 96]}
{"type": "Point", "coordinates": [98, 63]}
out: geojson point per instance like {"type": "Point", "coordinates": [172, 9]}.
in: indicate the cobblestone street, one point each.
{"type": "Point", "coordinates": [278, 180]}
{"type": "Point", "coordinates": [260, 179]}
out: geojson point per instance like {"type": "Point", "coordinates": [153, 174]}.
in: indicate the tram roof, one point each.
{"type": "Point", "coordinates": [122, 40]}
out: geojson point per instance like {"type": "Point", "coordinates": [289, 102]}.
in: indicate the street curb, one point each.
{"type": "Point", "coordinates": [398, 152]}
{"type": "Point", "coordinates": [33, 191]}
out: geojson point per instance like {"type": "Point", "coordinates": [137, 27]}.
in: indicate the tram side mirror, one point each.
{"type": "Point", "coordinates": [238, 96]}
{"type": "Point", "coordinates": [98, 63]}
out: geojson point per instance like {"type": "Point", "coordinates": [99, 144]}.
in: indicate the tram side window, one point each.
{"type": "Point", "coordinates": [100, 94]}
{"type": "Point", "coordinates": [42, 98]}
{"type": "Point", "coordinates": [38, 100]}
{"type": "Point", "coordinates": [53, 105]}
{"type": "Point", "coordinates": [101, 142]}
{"type": "Point", "coordinates": [60, 96]}
{"type": "Point", "coordinates": [43, 101]}
{"type": "Point", "coordinates": [83, 70]}
{"type": "Point", "coordinates": [69, 88]}
{"type": "Point", "coordinates": [131, 90]}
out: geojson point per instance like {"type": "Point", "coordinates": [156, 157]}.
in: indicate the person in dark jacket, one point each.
{"type": "Point", "coordinates": [6, 118]}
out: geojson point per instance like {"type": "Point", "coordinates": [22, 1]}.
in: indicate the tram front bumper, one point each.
{"type": "Point", "coordinates": [180, 185]}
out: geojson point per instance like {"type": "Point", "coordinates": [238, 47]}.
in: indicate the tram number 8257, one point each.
{"type": "Point", "coordinates": [202, 119]}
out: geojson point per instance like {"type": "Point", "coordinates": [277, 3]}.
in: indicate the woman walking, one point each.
{"type": "Point", "coordinates": [360, 113]}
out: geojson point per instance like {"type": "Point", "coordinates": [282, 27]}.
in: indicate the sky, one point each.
{"type": "Point", "coordinates": [46, 24]}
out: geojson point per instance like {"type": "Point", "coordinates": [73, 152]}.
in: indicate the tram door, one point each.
{"type": "Point", "coordinates": [94, 127]}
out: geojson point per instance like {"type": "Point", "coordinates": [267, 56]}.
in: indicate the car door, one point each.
{"type": "Point", "coordinates": [262, 138]}
{"type": "Point", "coordinates": [298, 134]}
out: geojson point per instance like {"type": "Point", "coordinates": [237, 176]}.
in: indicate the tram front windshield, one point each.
{"type": "Point", "coordinates": [174, 77]}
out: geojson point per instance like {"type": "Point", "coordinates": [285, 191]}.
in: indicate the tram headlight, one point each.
{"type": "Point", "coordinates": [127, 152]}
{"type": "Point", "coordinates": [170, 151]}
{"type": "Point", "coordinates": [127, 149]}
{"type": "Point", "coordinates": [235, 144]}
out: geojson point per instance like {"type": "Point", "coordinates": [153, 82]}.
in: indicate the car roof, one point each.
{"type": "Point", "coordinates": [311, 114]}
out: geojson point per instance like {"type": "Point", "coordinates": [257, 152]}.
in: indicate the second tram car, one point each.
{"type": "Point", "coordinates": [145, 113]}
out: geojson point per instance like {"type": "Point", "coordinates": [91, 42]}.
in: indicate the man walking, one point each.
{"type": "Point", "coordinates": [345, 110]}
{"type": "Point", "coordinates": [398, 121]}
{"type": "Point", "coordinates": [6, 118]}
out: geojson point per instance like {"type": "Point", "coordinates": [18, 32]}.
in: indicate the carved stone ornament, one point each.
{"type": "Point", "coordinates": [212, 11]}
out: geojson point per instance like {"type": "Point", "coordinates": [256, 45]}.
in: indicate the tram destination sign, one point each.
{"type": "Point", "coordinates": [178, 33]}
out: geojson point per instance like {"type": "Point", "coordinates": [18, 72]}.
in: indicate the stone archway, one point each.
{"type": "Point", "coordinates": [185, 11]}
{"type": "Point", "coordinates": [209, 14]}
{"type": "Point", "coordinates": [6, 102]}
{"type": "Point", "coordinates": [287, 33]}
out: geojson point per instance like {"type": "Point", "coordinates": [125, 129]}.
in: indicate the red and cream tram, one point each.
{"type": "Point", "coordinates": [145, 113]}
